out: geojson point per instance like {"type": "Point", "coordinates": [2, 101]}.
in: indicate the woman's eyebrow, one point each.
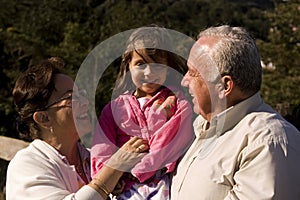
{"type": "Point", "coordinates": [66, 92]}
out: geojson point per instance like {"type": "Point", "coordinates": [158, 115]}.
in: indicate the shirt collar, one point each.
{"type": "Point", "coordinates": [84, 153]}
{"type": "Point", "coordinates": [229, 117]}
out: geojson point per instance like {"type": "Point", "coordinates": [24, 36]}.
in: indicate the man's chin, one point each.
{"type": "Point", "coordinates": [196, 110]}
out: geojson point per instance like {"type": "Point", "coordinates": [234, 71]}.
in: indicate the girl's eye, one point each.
{"type": "Point", "coordinates": [141, 65]}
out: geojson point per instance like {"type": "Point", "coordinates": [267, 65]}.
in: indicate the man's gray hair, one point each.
{"type": "Point", "coordinates": [236, 54]}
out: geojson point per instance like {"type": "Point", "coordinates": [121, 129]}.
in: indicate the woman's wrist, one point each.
{"type": "Point", "coordinates": [100, 187]}
{"type": "Point", "coordinates": [105, 181]}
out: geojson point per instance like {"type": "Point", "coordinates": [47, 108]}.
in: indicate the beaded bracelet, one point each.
{"type": "Point", "coordinates": [101, 187]}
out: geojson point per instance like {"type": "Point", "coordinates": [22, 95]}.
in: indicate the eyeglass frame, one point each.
{"type": "Point", "coordinates": [69, 97]}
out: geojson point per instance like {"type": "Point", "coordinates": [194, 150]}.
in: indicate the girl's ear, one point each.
{"type": "Point", "coordinates": [42, 119]}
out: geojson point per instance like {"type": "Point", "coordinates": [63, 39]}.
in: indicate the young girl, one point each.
{"type": "Point", "coordinates": [150, 106]}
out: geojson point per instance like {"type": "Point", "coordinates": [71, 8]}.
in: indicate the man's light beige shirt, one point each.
{"type": "Point", "coordinates": [249, 152]}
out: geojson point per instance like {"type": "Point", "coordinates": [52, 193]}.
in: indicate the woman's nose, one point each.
{"type": "Point", "coordinates": [82, 98]}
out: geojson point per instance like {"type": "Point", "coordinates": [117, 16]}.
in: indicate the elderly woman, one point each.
{"type": "Point", "coordinates": [56, 165]}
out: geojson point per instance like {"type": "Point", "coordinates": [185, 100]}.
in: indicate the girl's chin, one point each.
{"type": "Point", "coordinates": [150, 87]}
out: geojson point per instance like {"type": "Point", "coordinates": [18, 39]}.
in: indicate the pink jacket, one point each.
{"type": "Point", "coordinates": [168, 138]}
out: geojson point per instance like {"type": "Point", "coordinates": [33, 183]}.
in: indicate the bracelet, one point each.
{"type": "Point", "coordinates": [101, 187]}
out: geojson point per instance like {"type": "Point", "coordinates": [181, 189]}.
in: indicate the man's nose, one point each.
{"type": "Point", "coordinates": [184, 81]}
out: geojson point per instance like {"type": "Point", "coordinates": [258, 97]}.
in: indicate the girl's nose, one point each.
{"type": "Point", "coordinates": [148, 69]}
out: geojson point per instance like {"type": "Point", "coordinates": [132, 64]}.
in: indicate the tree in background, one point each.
{"type": "Point", "coordinates": [34, 30]}
{"type": "Point", "coordinates": [281, 52]}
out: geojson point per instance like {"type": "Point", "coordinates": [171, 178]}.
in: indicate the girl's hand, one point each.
{"type": "Point", "coordinates": [167, 105]}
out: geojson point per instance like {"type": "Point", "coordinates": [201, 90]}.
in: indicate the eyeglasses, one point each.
{"type": "Point", "coordinates": [70, 96]}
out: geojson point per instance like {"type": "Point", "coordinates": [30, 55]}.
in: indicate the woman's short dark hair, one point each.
{"type": "Point", "coordinates": [31, 93]}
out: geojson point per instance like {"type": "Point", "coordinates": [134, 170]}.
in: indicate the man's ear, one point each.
{"type": "Point", "coordinates": [227, 86]}
{"type": "Point", "coordinates": [42, 119]}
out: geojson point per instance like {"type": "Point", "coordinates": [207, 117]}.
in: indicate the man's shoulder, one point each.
{"type": "Point", "coordinates": [266, 124]}
{"type": "Point", "coordinates": [265, 119]}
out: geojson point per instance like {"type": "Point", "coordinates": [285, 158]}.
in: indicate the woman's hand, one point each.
{"type": "Point", "coordinates": [135, 145]}
{"type": "Point", "coordinates": [128, 155]}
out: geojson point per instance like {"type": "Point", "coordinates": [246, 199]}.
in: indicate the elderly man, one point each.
{"type": "Point", "coordinates": [243, 149]}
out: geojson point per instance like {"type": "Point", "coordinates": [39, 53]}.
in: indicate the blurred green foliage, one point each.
{"type": "Point", "coordinates": [34, 30]}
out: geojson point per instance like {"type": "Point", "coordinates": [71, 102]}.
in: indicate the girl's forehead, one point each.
{"type": "Point", "coordinates": [149, 55]}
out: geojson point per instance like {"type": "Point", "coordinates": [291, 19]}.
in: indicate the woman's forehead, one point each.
{"type": "Point", "coordinates": [63, 83]}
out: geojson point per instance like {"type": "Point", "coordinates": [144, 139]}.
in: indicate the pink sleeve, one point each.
{"type": "Point", "coordinates": [104, 140]}
{"type": "Point", "coordinates": [168, 143]}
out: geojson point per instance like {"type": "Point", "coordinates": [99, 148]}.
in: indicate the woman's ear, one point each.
{"type": "Point", "coordinates": [42, 119]}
